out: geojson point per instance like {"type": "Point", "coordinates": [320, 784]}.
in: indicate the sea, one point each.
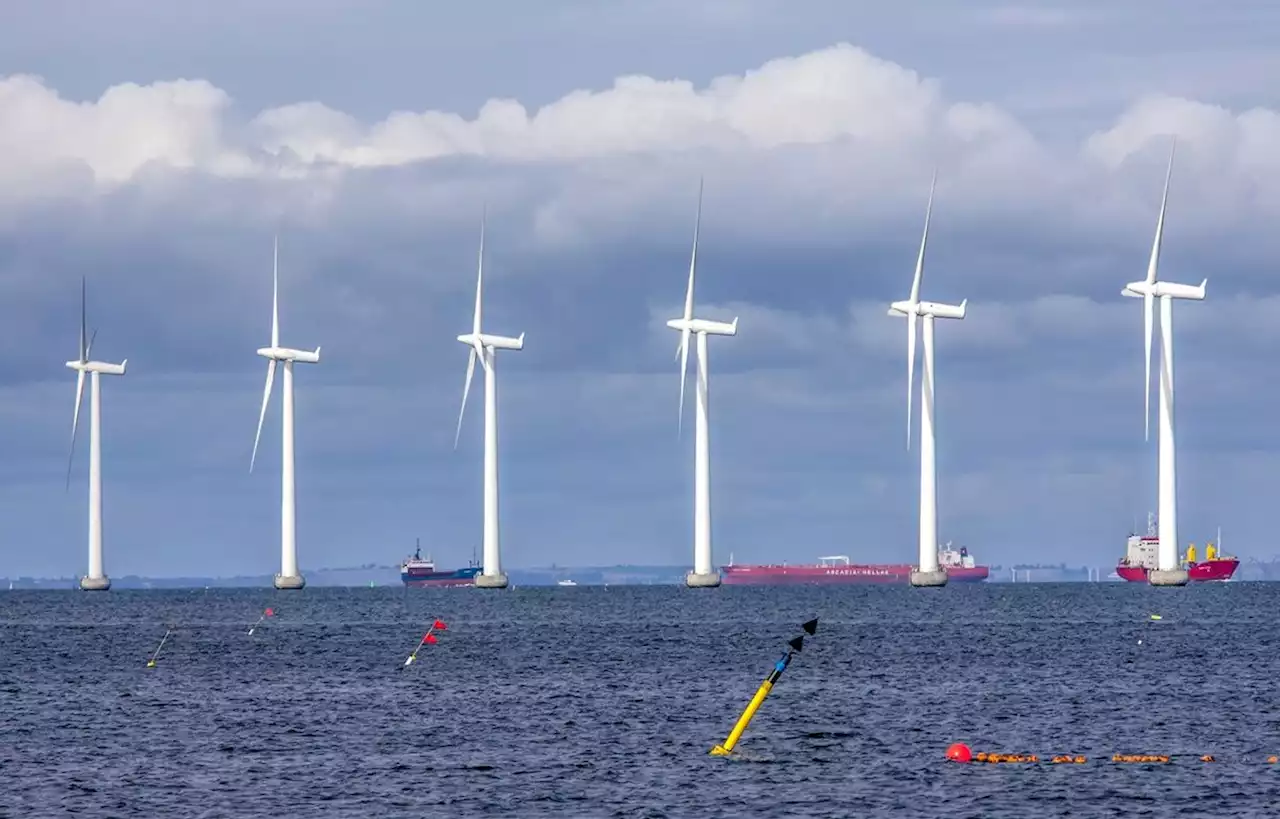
{"type": "Point", "coordinates": [595, 701]}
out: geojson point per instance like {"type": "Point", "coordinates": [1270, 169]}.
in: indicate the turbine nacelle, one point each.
{"type": "Point", "coordinates": [929, 308]}
{"type": "Point", "coordinates": [290, 354]}
{"type": "Point", "coordinates": [1138, 290]}
{"type": "Point", "coordinates": [98, 367]}
{"type": "Point", "coordinates": [496, 342]}
{"type": "Point", "coordinates": [711, 328]}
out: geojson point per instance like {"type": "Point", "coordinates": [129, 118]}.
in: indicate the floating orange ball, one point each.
{"type": "Point", "coordinates": [959, 752]}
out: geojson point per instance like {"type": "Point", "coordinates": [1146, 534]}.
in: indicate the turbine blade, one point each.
{"type": "Point", "coordinates": [683, 350]}
{"type": "Point", "coordinates": [84, 319]}
{"type": "Point", "coordinates": [924, 239]}
{"type": "Point", "coordinates": [684, 376]}
{"type": "Point", "coordinates": [75, 422]}
{"type": "Point", "coordinates": [266, 396]}
{"type": "Point", "coordinates": [466, 389]}
{"type": "Point", "coordinates": [275, 297]}
{"type": "Point", "coordinates": [88, 350]}
{"type": "Point", "coordinates": [911, 369]}
{"type": "Point", "coordinates": [1148, 318]}
{"type": "Point", "coordinates": [1164, 201]}
{"type": "Point", "coordinates": [475, 318]}
{"type": "Point", "coordinates": [693, 261]}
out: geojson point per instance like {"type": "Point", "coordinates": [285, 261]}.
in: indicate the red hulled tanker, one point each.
{"type": "Point", "coordinates": [836, 570]}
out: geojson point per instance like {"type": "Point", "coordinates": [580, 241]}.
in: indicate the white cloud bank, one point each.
{"type": "Point", "coordinates": [880, 114]}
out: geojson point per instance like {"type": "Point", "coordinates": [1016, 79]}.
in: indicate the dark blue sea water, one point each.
{"type": "Point", "coordinates": [595, 702]}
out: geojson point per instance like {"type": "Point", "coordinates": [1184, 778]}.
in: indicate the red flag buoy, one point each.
{"type": "Point", "coordinates": [440, 625]}
{"type": "Point", "coordinates": [959, 752]}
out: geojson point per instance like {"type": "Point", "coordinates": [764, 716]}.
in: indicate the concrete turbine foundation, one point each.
{"type": "Point", "coordinates": [289, 582]}
{"type": "Point", "coordinates": [1168, 577]}
{"type": "Point", "coordinates": [702, 580]}
{"type": "Point", "coordinates": [927, 579]}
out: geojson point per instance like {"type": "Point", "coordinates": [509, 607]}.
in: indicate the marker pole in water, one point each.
{"type": "Point", "coordinates": [428, 638]}
{"type": "Point", "coordinates": [793, 647]}
{"type": "Point", "coordinates": [267, 613]}
{"type": "Point", "coordinates": [1149, 621]}
{"type": "Point", "coordinates": [152, 662]}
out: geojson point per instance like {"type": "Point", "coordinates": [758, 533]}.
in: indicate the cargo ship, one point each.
{"type": "Point", "coordinates": [417, 573]}
{"type": "Point", "coordinates": [1143, 550]}
{"type": "Point", "coordinates": [836, 569]}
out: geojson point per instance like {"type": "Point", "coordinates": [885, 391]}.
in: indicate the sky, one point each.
{"type": "Point", "coordinates": [156, 152]}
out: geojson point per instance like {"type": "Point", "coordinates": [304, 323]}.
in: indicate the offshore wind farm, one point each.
{"type": "Point", "coordinates": [833, 501]}
{"type": "Point", "coordinates": [936, 561]}
{"type": "Point", "coordinates": [560, 611]}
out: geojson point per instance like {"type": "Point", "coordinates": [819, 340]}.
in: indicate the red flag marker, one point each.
{"type": "Point", "coordinates": [426, 639]}
{"type": "Point", "coordinates": [263, 616]}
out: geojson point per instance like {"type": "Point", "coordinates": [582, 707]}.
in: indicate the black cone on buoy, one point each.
{"type": "Point", "coordinates": [811, 626]}
{"type": "Point", "coordinates": [796, 643]}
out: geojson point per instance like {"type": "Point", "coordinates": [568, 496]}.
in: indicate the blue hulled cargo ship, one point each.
{"type": "Point", "coordinates": [417, 572]}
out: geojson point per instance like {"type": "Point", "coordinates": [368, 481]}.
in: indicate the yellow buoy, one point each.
{"type": "Point", "coordinates": [794, 645]}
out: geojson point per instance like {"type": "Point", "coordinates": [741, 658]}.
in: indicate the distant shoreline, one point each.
{"type": "Point", "coordinates": [617, 575]}
{"type": "Point", "coordinates": [376, 576]}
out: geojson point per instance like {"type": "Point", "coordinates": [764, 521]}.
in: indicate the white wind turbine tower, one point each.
{"type": "Point", "coordinates": [703, 575]}
{"type": "Point", "coordinates": [482, 347]}
{"type": "Point", "coordinates": [289, 577]}
{"type": "Point", "coordinates": [1168, 571]}
{"type": "Point", "coordinates": [96, 579]}
{"type": "Point", "coordinates": [927, 573]}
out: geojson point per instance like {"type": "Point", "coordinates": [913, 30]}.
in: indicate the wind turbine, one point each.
{"type": "Point", "coordinates": [928, 573]}
{"type": "Point", "coordinates": [482, 347]}
{"type": "Point", "coordinates": [96, 579]}
{"type": "Point", "coordinates": [703, 575]}
{"type": "Point", "coordinates": [289, 577]}
{"type": "Point", "coordinates": [1168, 571]}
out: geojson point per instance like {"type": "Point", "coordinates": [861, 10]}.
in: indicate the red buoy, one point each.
{"type": "Point", "coordinates": [959, 752]}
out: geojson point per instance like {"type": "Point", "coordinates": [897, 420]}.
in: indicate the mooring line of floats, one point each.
{"type": "Point", "coordinates": [959, 752]}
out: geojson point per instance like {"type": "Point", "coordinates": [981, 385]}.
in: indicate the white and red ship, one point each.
{"type": "Point", "coordinates": [1143, 549]}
